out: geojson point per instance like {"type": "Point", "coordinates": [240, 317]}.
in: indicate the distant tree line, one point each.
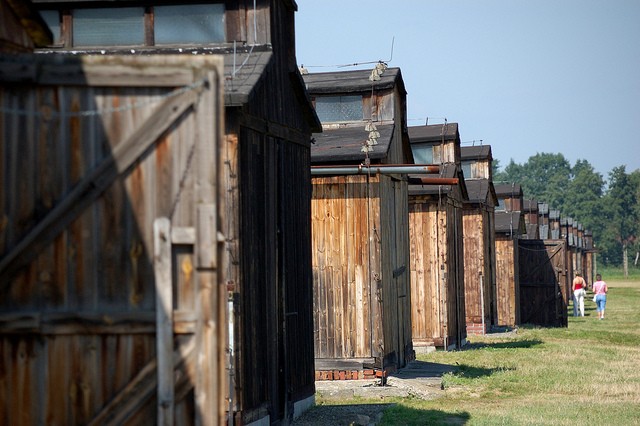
{"type": "Point", "coordinates": [609, 209]}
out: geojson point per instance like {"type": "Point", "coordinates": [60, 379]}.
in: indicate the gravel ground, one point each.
{"type": "Point", "coordinates": [418, 379]}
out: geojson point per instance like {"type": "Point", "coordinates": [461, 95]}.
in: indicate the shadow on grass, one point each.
{"type": "Point", "coordinates": [423, 369]}
{"type": "Point", "coordinates": [589, 309]}
{"type": "Point", "coordinates": [470, 372]}
{"type": "Point", "coordinates": [403, 415]}
{"type": "Point", "coordinates": [385, 414]}
{"type": "Point", "coordinates": [516, 344]}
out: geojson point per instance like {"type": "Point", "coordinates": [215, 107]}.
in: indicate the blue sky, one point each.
{"type": "Point", "coordinates": [558, 76]}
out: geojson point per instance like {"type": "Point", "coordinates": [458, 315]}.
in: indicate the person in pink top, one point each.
{"type": "Point", "coordinates": [600, 289]}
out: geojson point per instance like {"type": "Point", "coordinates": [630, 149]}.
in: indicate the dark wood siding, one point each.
{"type": "Point", "coordinates": [544, 282]}
{"type": "Point", "coordinates": [276, 292]}
{"type": "Point", "coordinates": [394, 233]}
{"type": "Point", "coordinates": [21, 27]}
{"type": "Point", "coordinates": [271, 135]}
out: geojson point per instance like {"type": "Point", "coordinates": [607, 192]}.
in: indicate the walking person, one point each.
{"type": "Point", "coordinates": [579, 291]}
{"type": "Point", "coordinates": [600, 289]}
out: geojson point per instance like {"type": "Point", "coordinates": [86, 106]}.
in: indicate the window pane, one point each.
{"type": "Point", "coordinates": [501, 205]}
{"type": "Point", "coordinates": [52, 19]}
{"type": "Point", "coordinates": [466, 169]}
{"type": "Point", "coordinates": [122, 26]}
{"type": "Point", "coordinates": [422, 153]}
{"type": "Point", "coordinates": [339, 108]}
{"type": "Point", "coordinates": [194, 23]}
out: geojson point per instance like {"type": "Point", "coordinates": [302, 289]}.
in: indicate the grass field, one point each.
{"type": "Point", "coordinates": [587, 373]}
{"type": "Point", "coordinates": [616, 274]}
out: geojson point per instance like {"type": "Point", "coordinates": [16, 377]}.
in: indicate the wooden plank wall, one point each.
{"type": "Point", "coordinates": [80, 316]}
{"type": "Point", "coordinates": [456, 322]}
{"type": "Point", "coordinates": [275, 293]}
{"type": "Point", "coordinates": [479, 170]}
{"type": "Point", "coordinates": [479, 268]}
{"type": "Point", "coordinates": [391, 309]}
{"type": "Point", "coordinates": [427, 229]}
{"type": "Point", "coordinates": [260, 309]}
{"type": "Point", "coordinates": [507, 281]}
{"type": "Point", "coordinates": [345, 211]}
{"type": "Point", "coordinates": [394, 241]}
{"type": "Point", "coordinates": [295, 206]}
{"type": "Point", "coordinates": [269, 139]}
{"type": "Point", "coordinates": [437, 273]}
{"type": "Point", "coordinates": [360, 264]}
{"type": "Point", "coordinates": [589, 267]}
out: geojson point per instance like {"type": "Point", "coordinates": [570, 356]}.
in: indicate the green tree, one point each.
{"type": "Point", "coordinates": [576, 191]}
{"type": "Point", "coordinates": [511, 173]}
{"type": "Point", "coordinates": [543, 177]}
{"type": "Point", "coordinates": [583, 198]}
{"type": "Point", "coordinates": [635, 181]}
{"type": "Point", "coordinates": [495, 169]}
{"type": "Point", "coordinates": [622, 204]}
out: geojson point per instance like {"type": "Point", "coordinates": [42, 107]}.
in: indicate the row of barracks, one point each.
{"type": "Point", "coordinates": [193, 229]}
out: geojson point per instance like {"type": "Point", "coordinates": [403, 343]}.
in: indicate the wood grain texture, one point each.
{"type": "Point", "coordinates": [84, 303]}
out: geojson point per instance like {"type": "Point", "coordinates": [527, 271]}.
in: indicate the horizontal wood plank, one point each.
{"type": "Point", "coordinates": [142, 322]}
{"type": "Point", "coordinates": [184, 235]}
{"type": "Point", "coordinates": [97, 71]}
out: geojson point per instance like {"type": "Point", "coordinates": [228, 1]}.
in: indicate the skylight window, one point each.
{"type": "Point", "coordinates": [422, 153]}
{"type": "Point", "coordinates": [122, 26]}
{"type": "Point", "coordinates": [331, 109]}
{"type": "Point", "coordinates": [117, 26]}
{"type": "Point", "coordinates": [190, 24]}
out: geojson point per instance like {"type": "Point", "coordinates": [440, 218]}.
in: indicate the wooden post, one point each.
{"type": "Point", "coordinates": [164, 319]}
{"type": "Point", "coordinates": [210, 334]}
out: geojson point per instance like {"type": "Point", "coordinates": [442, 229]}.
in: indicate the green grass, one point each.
{"type": "Point", "coordinates": [611, 273]}
{"type": "Point", "coordinates": [588, 373]}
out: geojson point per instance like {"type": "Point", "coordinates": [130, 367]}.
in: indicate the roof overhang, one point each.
{"type": "Point", "coordinates": [345, 144]}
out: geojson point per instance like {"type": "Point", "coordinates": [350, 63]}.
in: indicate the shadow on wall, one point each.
{"type": "Point", "coordinates": [86, 169]}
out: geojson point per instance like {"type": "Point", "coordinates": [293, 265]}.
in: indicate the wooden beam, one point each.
{"type": "Point", "coordinates": [95, 71]}
{"type": "Point", "coordinates": [142, 387]}
{"type": "Point", "coordinates": [61, 323]}
{"type": "Point", "coordinates": [275, 130]}
{"type": "Point", "coordinates": [184, 235]}
{"type": "Point", "coordinates": [94, 183]}
{"type": "Point", "coordinates": [162, 261]}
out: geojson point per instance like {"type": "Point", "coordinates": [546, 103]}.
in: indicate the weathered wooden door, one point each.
{"type": "Point", "coordinates": [93, 150]}
{"type": "Point", "coordinates": [543, 276]}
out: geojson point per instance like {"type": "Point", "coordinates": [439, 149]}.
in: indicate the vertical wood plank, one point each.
{"type": "Point", "coordinates": [164, 319]}
{"type": "Point", "coordinates": [349, 303]}
{"type": "Point", "coordinates": [210, 334]}
{"type": "Point", "coordinates": [375, 277]}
